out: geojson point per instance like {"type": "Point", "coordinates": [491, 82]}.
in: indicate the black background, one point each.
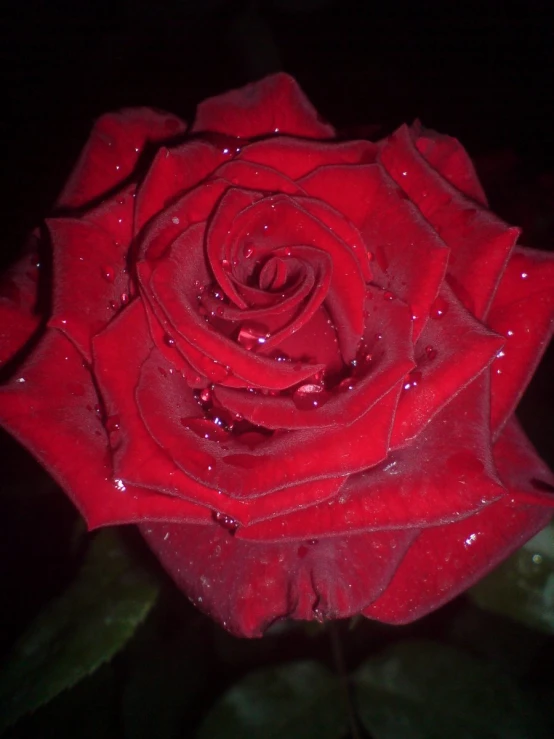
{"type": "Point", "coordinates": [481, 71]}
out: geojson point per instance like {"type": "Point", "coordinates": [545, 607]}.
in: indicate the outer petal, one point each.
{"type": "Point", "coordinates": [446, 473]}
{"type": "Point", "coordinates": [89, 280]}
{"type": "Point", "coordinates": [50, 408]}
{"type": "Point", "coordinates": [446, 560]}
{"type": "Point", "coordinates": [523, 312]}
{"type": "Point", "coordinates": [246, 586]}
{"type": "Point", "coordinates": [113, 150]}
{"type": "Point", "coordinates": [448, 156]}
{"type": "Point", "coordinates": [296, 158]}
{"type": "Point", "coordinates": [172, 173]}
{"type": "Point", "coordinates": [275, 104]}
{"type": "Point", "coordinates": [480, 243]}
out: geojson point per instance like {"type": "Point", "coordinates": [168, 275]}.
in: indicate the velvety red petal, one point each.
{"type": "Point", "coordinates": [523, 312]}
{"type": "Point", "coordinates": [275, 104]}
{"type": "Point", "coordinates": [446, 560]}
{"type": "Point", "coordinates": [115, 216]}
{"type": "Point", "coordinates": [391, 360]}
{"type": "Point", "coordinates": [113, 150]}
{"type": "Point", "coordinates": [176, 294]}
{"type": "Point", "coordinates": [246, 586]}
{"type": "Point", "coordinates": [90, 280]}
{"type": "Point", "coordinates": [280, 220]}
{"type": "Point", "coordinates": [257, 177]}
{"type": "Point", "coordinates": [411, 257]}
{"type": "Point", "coordinates": [50, 408]}
{"type": "Point", "coordinates": [480, 242]}
{"type": "Point", "coordinates": [448, 156]}
{"type": "Point", "coordinates": [172, 173]}
{"type": "Point", "coordinates": [529, 479]}
{"type": "Point", "coordinates": [462, 349]}
{"type": "Point", "coordinates": [446, 473]}
{"type": "Point", "coordinates": [138, 460]}
{"type": "Point", "coordinates": [296, 157]}
{"type": "Point", "coordinates": [283, 460]}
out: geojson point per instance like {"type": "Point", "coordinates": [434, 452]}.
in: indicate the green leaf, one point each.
{"type": "Point", "coordinates": [300, 700]}
{"type": "Point", "coordinates": [424, 690]}
{"type": "Point", "coordinates": [78, 631]}
{"type": "Point", "coordinates": [522, 587]}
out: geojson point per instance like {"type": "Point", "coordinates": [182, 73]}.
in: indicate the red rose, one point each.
{"type": "Point", "coordinates": [294, 361]}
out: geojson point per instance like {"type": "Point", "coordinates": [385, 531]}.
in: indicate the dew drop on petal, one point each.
{"type": "Point", "coordinates": [113, 423]}
{"type": "Point", "coordinates": [439, 307]}
{"type": "Point", "coordinates": [412, 380]}
{"type": "Point", "coordinates": [430, 352]}
{"type": "Point", "coordinates": [310, 396]}
{"type": "Point", "coordinates": [119, 485]}
{"type": "Point", "coordinates": [227, 522]}
{"type": "Point", "coordinates": [169, 340]}
{"type": "Point", "coordinates": [108, 273]}
{"type": "Point", "coordinates": [206, 395]}
{"type": "Point", "coordinates": [252, 334]}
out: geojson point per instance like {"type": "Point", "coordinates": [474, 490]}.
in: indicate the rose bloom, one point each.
{"type": "Point", "coordinates": [292, 360]}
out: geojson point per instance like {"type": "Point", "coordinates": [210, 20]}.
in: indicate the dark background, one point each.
{"type": "Point", "coordinates": [480, 71]}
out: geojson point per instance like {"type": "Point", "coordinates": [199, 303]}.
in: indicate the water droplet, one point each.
{"type": "Point", "coordinates": [439, 307]}
{"type": "Point", "coordinates": [412, 380]}
{"type": "Point", "coordinates": [310, 396]}
{"type": "Point", "coordinates": [524, 275]}
{"type": "Point", "coordinates": [108, 273]}
{"type": "Point", "coordinates": [169, 340]}
{"type": "Point", "coordinates": [124, 298]}
{"type": "Point", "coordinates": [430, 352]}
{"type": "Point", "coordinates": [226, 264]}
{"type": "Point", "coordinates": [206, 395]}
{"type": "Point", "coordinates": [228, 523]}
{"type": "Point", "coordinates": [119, 485]}
{"type": "Point", "coordinates": [113, 423]}
{"type": "Point", "coordinates": [388, 295]}
{"type": "Point", "coordinates": [509, 333]}
{"type": "Point", "coordinates": [175, 220]}
{"type": "Point", "coordinates": [252, 334]}
{"type": "Point", "coordinates": [346, 385]}
{"type": "Point", "coordinates": [21, 380]}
